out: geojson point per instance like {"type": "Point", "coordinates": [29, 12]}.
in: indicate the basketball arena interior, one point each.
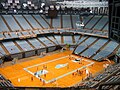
{"type": "Point", "coordinates": [59, 44]}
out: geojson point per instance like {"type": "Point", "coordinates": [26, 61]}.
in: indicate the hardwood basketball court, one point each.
{"type": "Point", "coordinates": [56, 70]}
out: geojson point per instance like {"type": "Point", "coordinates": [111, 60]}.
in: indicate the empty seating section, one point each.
{"type": "Point", "coordinates": [13, 35]}
{"type": "Point", "coordinates": [47, 42]}
{"type": "Point", "coordinates": [56, 31]}
{"type": "Point", "coordinates": [5, 83]}
{"type": "Point", "coordinates": [62, 30]}
{"type": "Point", "coordinates": [24, 45]}
{"type": "Point", "coordinates": [7, 36]}
{"type": "Point", "coordinates": [76, 37]}
{"type": "Point", "coordinates": [89, 52]}
{"type": "Point", "coordinates": [2, 52]}
{"type": "Point", "coordinates": [109, 75]}
{"type": "Point", "coordinates": [107, 50]}
{"type": "Point", "coordinates": [30, 32]}
{"type": "Point", "coordinates": [57, 22]}
{"type": "Point", "coordinates": [43, 31]}
{"type": "Point", "coordinates": [58, 38]}
{"type": "Point", "coordinates": [22, 22]}
{"type": "Point", "coordinates": [92, 22]}
{"type": "Point", "coordinates": [66, 21]}
{"type": "Point", "coordinates": [106, 27]}
{"type": "Point", "coordinates": [29, 22]}
{"type": "Point", "coordinates": [110, 70]}
{"type": "Point", "coordinates": [51, 31]}
{"type": "Point", "coordinates": [11, 22]}
{"type": "Point", "coordinates": [36, 32]}
{"type": "Point", "coordinates": [98, 32]}
{"type": "Point", "coordinates": [113, 79]}
{"type": "Point", "coordinates": [76, 51]}
{"type": "Point", "coordinates": [86, 19]}
{"type": "Point", "coordinates": [82, 38]}
{"type": "Point", "coordinates": [3, 26]}
{"type": "Point", "coordinates": [1, 35]}
{"type": "Point", "coordinates": [75, 20]}
{"type": "Point", "coordinates": [80, 30]}
{"type": "Point", "coordinates": [95, 47]}
{"type": "Point", "coordinates": [47, 19]}
{"type": "Point", "coordinates": [88, 31]}
{"type": "Point", "coordinates": [46, 31]}
{"type": "Point", "coordinates": [41, 21]}
{"type": "Point", "coordinates": [101, 23]}
{"type": "Point", "coordinates": [25, 33]}
{"type": "Point", "coordinates": [53, 39]}
{"type": "Point", "coordinates": [19, 34]}
{"type": "Point", "coordinates": [11, 47]}
{"type": "Point", "coordinates": [68, 40]}
{"type": "Point", "coordinates": [32, 21]}
{"type": "Point", "coordinates": [86, 43]}
{"type": "Point", "coordinates": [67, 30]}
{"type": "Point", "coordinates": [101, 76]}
{"type": "Point", "coordinates": [36, 43]}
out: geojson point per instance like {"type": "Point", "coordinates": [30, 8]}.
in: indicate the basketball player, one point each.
{"type": "Point", "coordinates": [31, 78]}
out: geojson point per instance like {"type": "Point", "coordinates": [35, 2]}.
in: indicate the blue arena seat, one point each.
{"type": "Point", "coordinates": [3, 26]}
{"type": "Point", "coordinates": [13, 35]}
{"type": "Point", "coordinates": [58, 38]}
{"type": "Point", "coordinates": [76, 37]}
{"type": "Point", "coordinates": [24, 45]}
{"type": "Point", "coordinates": [36, 32]}
{"type": "Point", "coordinates": [36, 43]}
{"type": "Point", "coordinates": [66, 21]}
{"type": "Point", "coordinates": [11, 47]}
{"type": "Point", "coordinates": [95, 47]}
{"type": "Point", "coordinates": [5, 83]}
{"type": "Point", "coordinates": [53, 39]}
{"type": "Point", "coordinates": [101, 23]}
{"type": "Point", "coordinates": [41, 21]}
{"type": "Point", "coordinates": [86, 19]}
{"type": "Point", "coordinates": [75, 20]}
{"type": "Point", "coordinates": [86, 43]}
{"type": "Point", "coordinates": [25, 33]}
{"type": "Point", "coordinates": [32, 21]}
{"type": "Point", "coordinates": [11, 22]}
{"type": "Point", "coordinates": [2, 36]}
{"type": "Point", "coordinates": [76, 51]}
{"type": "Point", "coordinates": [92, 22]}
{"type": "Point", "coordinates": [107, 50]}
{"type": "Point", "coordinates": [46, 31]}
{"type": "Point", "coordinates": [7, 36]}
{"type": "Point", "coordinates": [22, 22]}
{"type": "Point", "coordinates": [57, 22]}
{"type": "Point", "coordinates": [47, 42]}
{"type": "Point", "coordinates": [56, 31]}
{"type": "Point", "coordinates": [68, 40]}
{"type": "Point", "coordinates": [82, 38]}
{"type": "Point", "coordinates": [62, 30]}
{"type": "Point", "coordinates": [105, 28]}
{"type": "Point", "coordinates": [19, 34]}
{"type": "Point", "coordinates": [47, 19]}
{"type": "Point", "coordinates": [2, 52]}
